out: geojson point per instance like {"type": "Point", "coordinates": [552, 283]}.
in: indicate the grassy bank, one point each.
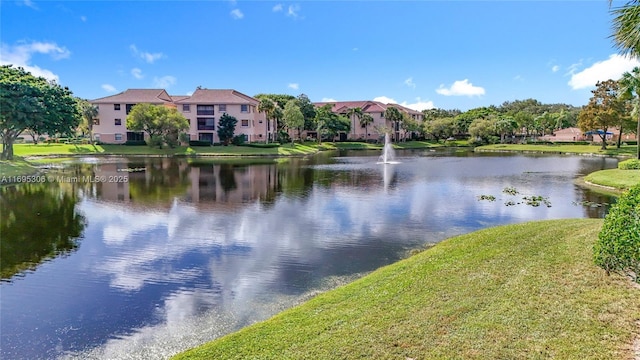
{"type": "Point", "coordinates": [625, 150]}
{"type": "Point", "coordinates": [614, 178]}
{"type": "Point", "coordinates": [512, 292]}
{"type": "Point", "coordinates": [17, 167]}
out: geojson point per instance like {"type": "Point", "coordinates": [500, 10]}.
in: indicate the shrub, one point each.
{"type": "Point", "coordinates": [156, 141]}
{"type": "Point", "coordinates": [135, 142]}
{"type": "Point", "coordinates": [631, 164]}
{"type": "Point", "coordinates": [262, 145]}
{"type": "Point", "coordinates": [618, 245]}
{"type": "Point", "coordinates": [238, 139]}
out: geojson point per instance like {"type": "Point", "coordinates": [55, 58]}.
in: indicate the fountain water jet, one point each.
{"type": "Point", "coordinates": [388, 155]}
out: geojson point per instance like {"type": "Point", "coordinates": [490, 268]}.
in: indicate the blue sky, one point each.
{"type": "Point", "coordinates": [456, 54]}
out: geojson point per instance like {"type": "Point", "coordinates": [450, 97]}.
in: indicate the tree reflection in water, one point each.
{"type": "Point", "coordinates": [27, 243]}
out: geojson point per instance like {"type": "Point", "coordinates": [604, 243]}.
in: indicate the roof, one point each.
{"type": "Point", "coordinates": [367, 106]}
{"type": "Point", "coordinates": [218, 96]}
{"type": "Point", "coordinates": [154, 96]}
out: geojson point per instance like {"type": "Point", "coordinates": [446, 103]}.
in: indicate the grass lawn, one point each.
{"type": "Point", "coordinates": [625, 150]}
{"type": "Point", "coordinates": [17, 167]}
{"type": "Point", "coordinates": [615, 178]}
{"type": "Point", "coordinates": [511, 292]}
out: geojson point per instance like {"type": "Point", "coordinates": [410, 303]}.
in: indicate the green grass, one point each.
{"type": "Point", "coordinates": [625, 150]}
{"type": "Point", "coordinates": [526, 291]}
{"type": "Point", "coordinates": [17, 167]}
{"type": "Point", "coordinates": [614, 178]}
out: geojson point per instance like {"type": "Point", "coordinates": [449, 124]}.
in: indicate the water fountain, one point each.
{"type": "Point", "coordinates": [388, 155]}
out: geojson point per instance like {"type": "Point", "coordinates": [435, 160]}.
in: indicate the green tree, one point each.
{"type": "Point", "coordinates": [162, 123]}
{"type": "Point", "coordinates": [365, 120]}
{"type": "Point", "coordinates": [505, 125]}
{"type": "Point", "coordinates": [464, 120]}
{"type": "Point", "coordinates": [626, 28]}
{"type": "Point", "coordinates": [293, 117]}
{"type": "Point", "coordinates": [484, 129]}
{"type": "Point", "coordinates": [29, 102]}
{"type": "Point", "coordinates": [268, 107]}
{"type": "Point", "coordinates": [630, 89]}
{"type": "Point", "coordinates": [308, 111]}
{"type": "Point", "coordinates": [440, 128]}
{"type": "Point", "coordinates": [226, 128]}
{"type": "Point", "coordinates": [395, 116]}
{"type": "Point", "coordinates": [89, 113]}
{"type": "Point", "coordinates": [329, 123]}
{"type": "Point", "coordinates": [604, 110]}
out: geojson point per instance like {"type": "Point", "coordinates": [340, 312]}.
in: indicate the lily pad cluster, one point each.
{"type": "Point", "coordinates": [531, 200]}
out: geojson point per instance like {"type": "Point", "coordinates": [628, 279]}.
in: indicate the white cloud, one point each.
{"type": "Point", "coordinates": [293, 86]}
{"type": "Point", "coordinates": [164, 82]}
{"type": "Point", "coordinates": [30, 4]}
{"type": "Point", "coordinates": [612, 68]}
{"type": "Point", "coordinates": [237, 14]}
{"type": "Point", "coordinates": [409, 82]}
{"type": "Point", "coordinates": [146, 56]}
{"type": "Point", "coordinates": [385, 100]}
{"type": "Point", "coordinates": [555, 68]}
{"type": "Point", "coordinates": [137, 73]}
{"type": "Point", "coordinates": [108, 88]}
{"type": "Point", "coordinates": [20, 56]}
{"type": "Point", "coordinates": [83, 18]}
{"type": "Point", "coordinates": [355, 49]}
{"type": "Point", "coordinates": [328, 100]}
{"type": "Point", "coordinates": [277, 8]}
{"type": "Point", "coordinates": [419, 105]}
{"type": "Point", "coordinates": [461, 88]}
{"type": "Point", "coordinates": [518, 78]}
{"type": "Point", "coordinates": [294, 11]}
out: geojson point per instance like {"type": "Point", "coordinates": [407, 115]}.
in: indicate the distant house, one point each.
{"type": "Point", "coordinates": [566, 135]}
{"type": "Point", "coordinates": [376, 109]}
{"type": "Point", "coordinates": [202, 109]}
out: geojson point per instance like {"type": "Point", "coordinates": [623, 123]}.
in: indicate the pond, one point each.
{"type": "Point", "coordinates": [142, 258]}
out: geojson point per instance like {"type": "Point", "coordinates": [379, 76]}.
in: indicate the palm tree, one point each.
{"type": "Point", "coordinates": [353, 114]}
{"type": "Point", "coordinates": [267, 106]}
{"type": "Point", "coordinates": [630, 88]}
{"type": "Point", "coordinates": [395, 116]}
{"type": "Point", "coordinates": [365, 120]}
{"type": "Point", "coordinates": [626, 28]}
{"type": "Point", "coordinates": [89, 112]}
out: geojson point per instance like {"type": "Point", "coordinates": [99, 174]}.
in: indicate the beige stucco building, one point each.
{"type": "Point", "coordinates": [202, 109]}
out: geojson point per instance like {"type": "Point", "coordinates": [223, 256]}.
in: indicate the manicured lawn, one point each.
{"type": "Point", "coordinates": [511, 292]}
{"type": "Point", "coordinates": [615, 178]}
{"type": "Point", "coordinates": [625, 150]}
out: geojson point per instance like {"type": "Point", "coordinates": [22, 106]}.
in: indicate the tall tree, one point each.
{"type": "Point", "coordinates": [604, 110]}
{"type": "Point", "coordinates": [365, 120]}
{"type": "Point", "coordinates": [395, 116]}
{"type": "Point", "coordinates": [226, 128]}
{"type": "Point", "coordinates": [293, 117]}
{"type": "Point", "coordinates": [163, 124]}
{"type": "Point", "coordinates": [308, 111]}
{"type": "Point", "coordinates": [329, 123]}
{"type": "Point", "coordinates": [630, 88]}
{"type": "Point", "coordinates": [268, 107]}
{"type": "Point", "coordinates": [29, 102]}
{"type": "Point", "coordinates": [505, 125]}
{"type": "Point", "coordinates": [89, 112]}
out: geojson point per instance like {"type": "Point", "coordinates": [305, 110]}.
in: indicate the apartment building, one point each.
{"type": "Point", "coordinates": [376, 109]}
{"type": "Point", "coordinates": [202, 109]}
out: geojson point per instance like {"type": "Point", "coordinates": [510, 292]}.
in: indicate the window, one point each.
{"type": "Point", "coordinates": [205, 109]}
{"type": "Point", "coordinates": [186, 108]}
{"type": "Point", "coordinates": [128, 107]}
{"type": "Point", "coordinates": [244, 108]}
{"type": "Point", "coordinates": [135, 136]}
{"type": "Point", "coordinates": [222, 107]}
{"type": "Point", "coordinates": [116, 106]}
{"type": "Point", "coordinates": [206, 137]}
{"type": "Point", "coordinates": [118, 122]}
{"type": "Point", "coordinates": [259, 121]}
{"type": "Point", "coordinates": [381, 114]}
{"type": "Point", "coordinates": [96, 121]}
{"type": "Point", "coordinates": [244, 123]}
{"type": "Point", "coordinates": [118, 137]}
{"type": "Point", "coordinates": [206, 123]}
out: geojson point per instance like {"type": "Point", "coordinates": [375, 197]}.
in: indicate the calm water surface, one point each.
{"type": "Point", "coordinates": [187, 250]}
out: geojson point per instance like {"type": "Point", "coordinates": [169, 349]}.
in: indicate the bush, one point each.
{"type": "Point", "coordinates": [631, 164]}
{"type": "Point", "coordinates": [262, 145]}
{"type": "Point", "coordinates": [618, 245]}
{"type": "Point", "coordinates": [135, 142]}
{"type": "Point", "coordinates": [238, 139]}
{"type": "Point", "coordinates": [156, 141]}
{"type": "Point", "coordinates": [199, 143]}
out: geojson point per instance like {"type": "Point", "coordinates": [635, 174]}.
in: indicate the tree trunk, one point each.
{"type": "Point", "coordinates": [619, 138]}
{"type": "Point", "coordinates": [603, 137]}
{"type": "Point", "coordinates": [638, 138]}
{"type": "Point", "coordinates": [7, 148]}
